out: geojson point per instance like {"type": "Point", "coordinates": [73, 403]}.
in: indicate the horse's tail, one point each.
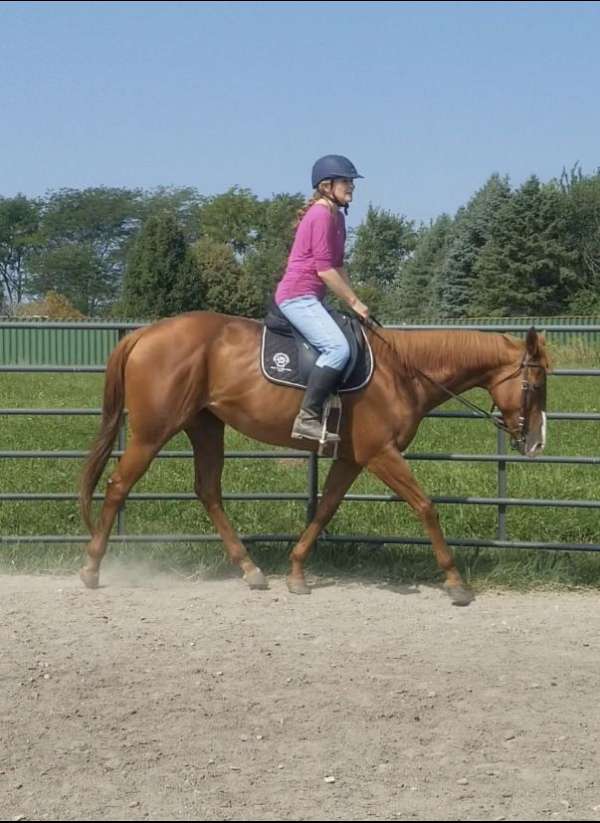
{"type": "Point", "coordinates": [112, 413]}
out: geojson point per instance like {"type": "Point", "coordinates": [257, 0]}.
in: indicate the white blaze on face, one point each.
{"type": "Point", "coordinates": [536, 440]}
{"type": "Point", "coordinates": [543, 429]}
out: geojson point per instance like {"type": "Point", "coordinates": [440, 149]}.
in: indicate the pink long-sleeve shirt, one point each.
{"type": "Point", "coordinates": [318, 246]}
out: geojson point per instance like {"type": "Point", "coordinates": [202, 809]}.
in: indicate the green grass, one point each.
{"type": "Point", "coordinates": [399, 562]}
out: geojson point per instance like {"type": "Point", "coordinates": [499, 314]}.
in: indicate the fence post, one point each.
{"type": "Point", "coordinates": [502, 487]}
{"type": "Point", "coordinates": [313, 487]}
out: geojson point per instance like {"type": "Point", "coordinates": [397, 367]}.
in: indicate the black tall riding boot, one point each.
{"type": "Point", "coordinates": [309, 422]}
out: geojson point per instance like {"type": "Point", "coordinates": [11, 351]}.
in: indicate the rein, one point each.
{"type": "Point", "coordinates": [517, 438]}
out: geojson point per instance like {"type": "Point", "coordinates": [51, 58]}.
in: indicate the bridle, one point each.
{"type": "Point", "coordinates": [518, 437]}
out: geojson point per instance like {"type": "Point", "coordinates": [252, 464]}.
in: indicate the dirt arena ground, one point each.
{"type": "Point", "coordinates": [160, 698]}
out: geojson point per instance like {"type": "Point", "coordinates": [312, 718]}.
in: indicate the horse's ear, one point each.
{"type": "Point", "coordinates": [532, 342]}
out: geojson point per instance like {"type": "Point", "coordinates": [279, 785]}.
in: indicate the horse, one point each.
{"type": "Point", "coordinates": [198, 372]}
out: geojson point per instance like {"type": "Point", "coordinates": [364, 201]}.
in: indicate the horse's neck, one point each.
{"type": "Point", "coordinates": [456, 361]}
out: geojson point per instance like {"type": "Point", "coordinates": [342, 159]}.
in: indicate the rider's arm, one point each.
{"type": "Point", "coordinates": [345, 275]}
{"type": "Point", "coordinates": [325, 241]}
{"type": "Point", "coordinates": [339, 283]}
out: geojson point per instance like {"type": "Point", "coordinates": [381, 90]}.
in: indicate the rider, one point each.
{"type": "Point", "coordinates": [315, 263]}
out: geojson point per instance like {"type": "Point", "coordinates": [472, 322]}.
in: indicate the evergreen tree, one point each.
{"type": "Point", "coordinates": [525, 267]}
{"type": "Point", "coordinates": [189, 289]}
{"type": "Point", "coordinates": [160, 279]}
{"type": "Point", "coordinates": [382, 242]}
{"type": "Point", "coordinates": [220, 273]}
{"type": "Point", "coordinates": [581, 198]}
{"type": "Point", "coordinates": [471, 231]}
{"type": "Point", "coordinates": [418, 292]}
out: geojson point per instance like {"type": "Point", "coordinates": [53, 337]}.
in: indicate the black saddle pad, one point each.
{"type": "Point", "coordinates": [287, 358]}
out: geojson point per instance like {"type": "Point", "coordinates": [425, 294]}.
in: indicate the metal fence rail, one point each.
{"type": "Point", "coordinates": [502, 501]}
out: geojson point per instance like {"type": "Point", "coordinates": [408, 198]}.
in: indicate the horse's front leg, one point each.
{"type": "Point", "coordinates": [392, 468]}
{"type": "Point", "coordinates": [341, 476]}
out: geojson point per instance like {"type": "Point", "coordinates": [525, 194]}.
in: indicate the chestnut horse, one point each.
{"type": "Point", "coordinates": [199, 371]}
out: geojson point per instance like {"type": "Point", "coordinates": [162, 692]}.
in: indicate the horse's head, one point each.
{"type": "Point", "coordinates": [521, 396]}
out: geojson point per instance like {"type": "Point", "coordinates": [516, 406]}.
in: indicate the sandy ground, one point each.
{"type": "Point", "coordinates": [168, 699]}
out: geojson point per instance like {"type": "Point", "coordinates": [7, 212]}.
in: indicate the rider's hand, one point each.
{"type": "Point", "coordinates": [362, 310]}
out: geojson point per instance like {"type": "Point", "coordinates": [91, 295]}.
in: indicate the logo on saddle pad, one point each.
{"type": "Point", "coordinates": [281, 360]}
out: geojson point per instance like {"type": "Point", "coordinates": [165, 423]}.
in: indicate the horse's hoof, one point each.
{"type": "Point", "coordinates": [460, 595]}
{"type": "Point", "coordinates": [296, 585]}
{"type": "Point", "coordinates": [91, 579]}
{"type": "Point", "coordinates": [256, 579]}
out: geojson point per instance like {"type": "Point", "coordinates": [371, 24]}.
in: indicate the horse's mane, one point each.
{"type": "Point", "coordinates": [435, 350]}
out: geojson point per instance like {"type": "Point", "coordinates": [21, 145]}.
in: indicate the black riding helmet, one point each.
{"type": "Point", "coordinates": [332, 166]}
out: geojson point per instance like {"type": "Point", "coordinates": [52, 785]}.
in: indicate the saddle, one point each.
{"type": "Point", "coordinates": [287, 358]}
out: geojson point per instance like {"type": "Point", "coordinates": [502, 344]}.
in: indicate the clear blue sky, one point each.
{"type": "Point", "coordinates": [428, 99]}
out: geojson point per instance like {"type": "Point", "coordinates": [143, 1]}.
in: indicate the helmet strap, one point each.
{"type": "Point", "coordinates": [333, 199]}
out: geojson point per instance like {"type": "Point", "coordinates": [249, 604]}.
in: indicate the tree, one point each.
{"type": "Point", "coordinates": [278, 219]}
{"type": "Point", "coordinates": [258, 280]}
{"type": "Point", "coordinates": [86, 236]}
{"type": "Point", "coordinates": [19, 223]}
{"type": "Point", "coordinates": [418, 292]}
{"type": "Point", "coordinates": [471, 230]}
{"type": "Point", "coordinates": [526, 267]}
{"type": "Point", "coordinates": [72, 270]}
{"type": "Point", "coordinates": [233, 218]}
{"type": "Point", "coordinates": [264, 263]}
{"type": "Point", "coordinates": [382, 242]}
{"type": "Point", "coordinates": [52, 306]}
{"type": "Point", "coordinates": [183, 202]}
{"type": "Point", "coordinates": [581, 199]}
{"type": "Point", "coordinates": [161, 278]}
{"type": "Point", "coordinates": [241, 253]}
{"type": "Point", "coordinates": [219, 273]}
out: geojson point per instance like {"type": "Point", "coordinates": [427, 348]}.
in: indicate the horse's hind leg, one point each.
{"type": "Point", "coordinates": [131, 467]}
{"type": "Point", "coordinates": [206, 434]}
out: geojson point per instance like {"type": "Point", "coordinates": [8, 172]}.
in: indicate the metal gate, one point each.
{"type": "Point", "coordinates": [502, 501]}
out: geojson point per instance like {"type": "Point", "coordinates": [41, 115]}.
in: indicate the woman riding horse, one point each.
{"type": "Point", "coordinates": [315, 263]}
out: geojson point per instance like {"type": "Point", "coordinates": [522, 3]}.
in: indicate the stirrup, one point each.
{"type": "Point", "coordinates": [311, 427]}
{"type": "Point", "coordinates": [328, 436]}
